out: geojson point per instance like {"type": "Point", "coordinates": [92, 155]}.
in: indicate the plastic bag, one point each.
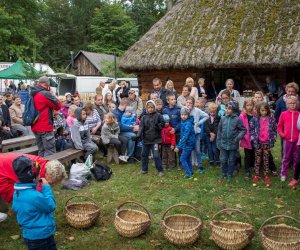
{"type": "Point", "coordinates": [79, 170]}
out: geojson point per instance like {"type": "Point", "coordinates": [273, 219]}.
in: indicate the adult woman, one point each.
{"type": "Point", "coordinates": [122, 91]}
{"type": "Point", "coordinates": [53, 171]}
{"type": "Point", "coordinates": [181, 100]}
{"type": "Point", "coordinates": [229, 86]}
{"type": "Point", "coordinates": [64, 107]}
{"type": "Point", "coordinates": [194, 91]}
{"type": "Point", "coordinates": [93, 119]}
{"type": "Point", "coordinates": [108, 98]}
{"type": "Point", "coordinates": [201, 88]}
{"type": "Point", "coordinates": [291, 89]}
{"type": "Point", "coordinates": [170, 87]}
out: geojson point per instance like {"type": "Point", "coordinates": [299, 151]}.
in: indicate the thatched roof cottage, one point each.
{"type": "Point", "coordinates": [218, 39]}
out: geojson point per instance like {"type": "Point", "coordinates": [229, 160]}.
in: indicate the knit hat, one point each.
{"type": "Point", "coordinates": [151, 103]}
{"type": "Point", "coordinates": [166, 118]}
{"type": "Point", "coordinates": [129, 109]}
{"type": "Point", "coordinates": [185, 111]}
{"type": "Point", "coordinates": [231, 105]}
{"type": "Point", "coordinates": [25, 169]}
{"type": "Point", "coordinates": [68, 93]}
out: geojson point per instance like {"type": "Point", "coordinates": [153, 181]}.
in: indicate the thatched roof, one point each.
{"type": "Point", "coordinates": [220, 34]}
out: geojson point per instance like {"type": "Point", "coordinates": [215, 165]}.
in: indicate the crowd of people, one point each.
{"type": "Point", "coordinates": [176, 130]}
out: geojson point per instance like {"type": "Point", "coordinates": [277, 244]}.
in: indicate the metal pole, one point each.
{"type": "Point", "coordinates": [115, 64]}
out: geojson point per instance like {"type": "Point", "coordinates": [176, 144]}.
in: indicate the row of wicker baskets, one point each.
{"type": "Point", "coordinates": [183, 229]}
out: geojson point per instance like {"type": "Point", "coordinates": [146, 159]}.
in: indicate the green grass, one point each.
{"type": "Point", "coordinates": [157, 194]}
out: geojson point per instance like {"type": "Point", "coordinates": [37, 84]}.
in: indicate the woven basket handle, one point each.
{"type": "Point", "coordinates": [278, 216]}
{"type": "Point", "coordinates": [180, 205]}
{"type": "Point", "coordinates": [138, 204]}
{"type": "Point", "coordinates": [78, 197]}
{"type": "Point", "coordinates": [235, 210]}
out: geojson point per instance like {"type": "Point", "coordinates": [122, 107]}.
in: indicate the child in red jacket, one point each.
{"type": "Point", "coordinates": [287, 129]}
{"type": "Point", "coordinates": [168, 143]}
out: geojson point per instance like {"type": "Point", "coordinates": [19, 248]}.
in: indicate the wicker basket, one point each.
{"type": "Point", "coordinates": [132, 223]}
{"type": "Point", "coordinates": [231, 235]}
{"type": "Point", "coordinates": [181, 229]}
{"type": "Point", "coordinates": [81, 214]}
{"type": "Point", "coordinates": [280, 236]}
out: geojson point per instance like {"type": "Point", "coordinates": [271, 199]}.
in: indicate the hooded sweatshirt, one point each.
{"type": "Point", "coordinates": [187, 135]}
{"type": "Point", "coordinates": [80, 132]}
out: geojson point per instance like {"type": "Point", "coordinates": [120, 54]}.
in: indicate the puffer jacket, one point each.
{"type": "Point", "coordinates": [44, 102]}
{"type": "Point", "coordinates": [231, 130]}
{"type": "Point", "coordinates": [109, 132]}
{"type": "Point", "coordinates": [254, 127]}
{"type": "Point", "coordinates": [150, 128]}
{"type": "Point", "coordinates": [167, 137]}
{"type": "Point", "coordinates": [34, 210]}
{"type": "Point", "coordinates": [187, 135]}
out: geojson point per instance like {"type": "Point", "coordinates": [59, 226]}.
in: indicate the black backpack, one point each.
{"type": "Point", "coordinates": [101, 172]}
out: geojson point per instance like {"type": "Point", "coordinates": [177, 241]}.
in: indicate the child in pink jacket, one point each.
{"type": "Point", "coordinates": [295, 179]}
{"type": "Point", "coordinates": [246, 116]}
{"type": "Point", "coordinates": [287, 129]}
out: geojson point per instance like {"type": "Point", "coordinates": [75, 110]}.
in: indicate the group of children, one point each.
{"type": "Point", "coordinates": [225, 130]}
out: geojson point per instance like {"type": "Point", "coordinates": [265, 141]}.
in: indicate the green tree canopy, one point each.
{"type": "Point", "coordinates": [113, 31]}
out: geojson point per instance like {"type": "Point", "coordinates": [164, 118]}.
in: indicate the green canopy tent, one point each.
{"type": "Point", "coordinates": [23, 71]}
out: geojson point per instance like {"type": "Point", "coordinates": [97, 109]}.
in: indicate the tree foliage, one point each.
{"type": "Point", "coordinates": [113, 31]}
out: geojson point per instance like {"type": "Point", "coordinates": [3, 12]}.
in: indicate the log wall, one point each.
{"type": "Point", "coordinates": [84, 67]}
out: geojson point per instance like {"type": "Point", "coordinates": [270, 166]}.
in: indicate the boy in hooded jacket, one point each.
{"type": "Point", "coordinates": [80, 134]}
{"type": "Point", "coordinates": [150, 134]}
{"type": "Point", "coordinates": [230, 131]}
{"type": "Point", "coordinates": [34, 209]}
{"type": "Point", "coordinates": [187, 142]}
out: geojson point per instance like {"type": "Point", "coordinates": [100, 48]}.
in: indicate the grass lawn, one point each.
{"type": "Point", "coordinates": [157, 194]}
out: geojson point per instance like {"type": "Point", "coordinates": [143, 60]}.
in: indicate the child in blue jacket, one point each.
{"type": "Point", "coordinates": [34, 209]}
{"type": "Point", "coordinates": [187, 142]}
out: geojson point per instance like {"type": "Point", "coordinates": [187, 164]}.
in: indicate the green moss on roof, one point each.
{"type": "Point", "coordinates": [220, 33]}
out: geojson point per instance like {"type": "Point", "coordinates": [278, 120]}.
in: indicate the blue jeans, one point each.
{"type": "Point", "coordinates": [131, 143]}
{"type": "Point", "coordinates": [186, 162]}
{"type": "Point", "coordinates": [198, 150]}
{"type": "Point", "coordinates": [45, 244]}
{"type": "Point", "coordinates": [228, 161]}
{"type": "Point", "coordinates": [156, 156]}
{"type": "Point", "coordinates": [213, 151]}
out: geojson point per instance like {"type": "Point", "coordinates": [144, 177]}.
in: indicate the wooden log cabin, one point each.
{"type": "Point", "coordinates": [244, 40]}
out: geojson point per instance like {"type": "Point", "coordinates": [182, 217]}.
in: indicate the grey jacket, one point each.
{"type": "Point", "coordinates": [230, 131]}
{"type": "Point", "coordinates": [80, 132]}
{"type": "Point", "coordinates": [109, 132]}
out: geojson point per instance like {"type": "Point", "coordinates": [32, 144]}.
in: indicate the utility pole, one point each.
{"type": "Point", "coordinates": [170, 4]}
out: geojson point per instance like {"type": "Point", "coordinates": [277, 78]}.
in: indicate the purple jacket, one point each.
{"type": "Point", "coordinates": [254, 126]}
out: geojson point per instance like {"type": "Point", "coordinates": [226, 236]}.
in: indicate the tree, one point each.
{"type": "Point", "coordinates": [113, 31]}
{"type": "Point", "coordinates": [18, 20]}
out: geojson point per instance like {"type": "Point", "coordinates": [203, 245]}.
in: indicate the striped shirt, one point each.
{"type": "Point", "coordinates": [93, 120]}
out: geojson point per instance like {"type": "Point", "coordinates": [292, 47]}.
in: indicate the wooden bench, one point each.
{"type": "Point", "coordinates": [33, 150]}
{"type": "Point", "coordinates": [67, 155]}
{"type": "Point", "coordinates": [22, 141]}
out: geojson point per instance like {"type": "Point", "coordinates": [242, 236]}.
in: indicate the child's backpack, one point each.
{"type": "Point", "coordinates": [30, 115]}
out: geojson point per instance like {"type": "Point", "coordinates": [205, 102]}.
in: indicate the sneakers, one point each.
{"type": "Point", "coordinates": [247, 175]}
{"type": "Point", "coordinates": [161, 174]}
{"type": "Point", "coordinates": [283, 178]}
{"type": "Point", "coordinates": [123, 158]}
{"type": "Point", "coordinates": [188, 177]}
{"type": "Point", "coordinates": [143, 172]}
{"type": "Point", "coordinates": [267, 179]}
{"type": "Point", "coordinates": [204, 156]}
{"type": "Point", "coordinates": [223, 176]}
{"type": "Point", "coordinates": [255, 178]}
{"type": "Point", "coordinates": [131, 161]}
{"type": "Point", "coordinates": [293, 183]}
{"type": "Point", "coordinates": [229, 178]}
{"type": "Point", "coordinates": [274, 173]}
{"type": "Point", "coordinates": [3, 217]}
{"type": "Point", "coordinates": [201, 171]}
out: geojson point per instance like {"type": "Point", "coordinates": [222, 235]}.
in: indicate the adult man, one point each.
{"type": "Point", "coordinates": [135, 102]}
{"type": "Point", "coordinates": [126, 131]}
{"type": "Point", "coordinates": [5, 122]}
{"type": "Point", "coordinates": [161, 92]}
{"type": "Point", "coordinates": [113, 86]}
{"type": "Point", "coordinates": [100, 88]}
{"type": "Point", "coordinates": [100, 107]}
{"type": "Point", "coordinates": [77, 102]}
{"type": "Point", "coordinates": [44, 103]}
{"type": "Point", "coordinates": [16, 111]}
